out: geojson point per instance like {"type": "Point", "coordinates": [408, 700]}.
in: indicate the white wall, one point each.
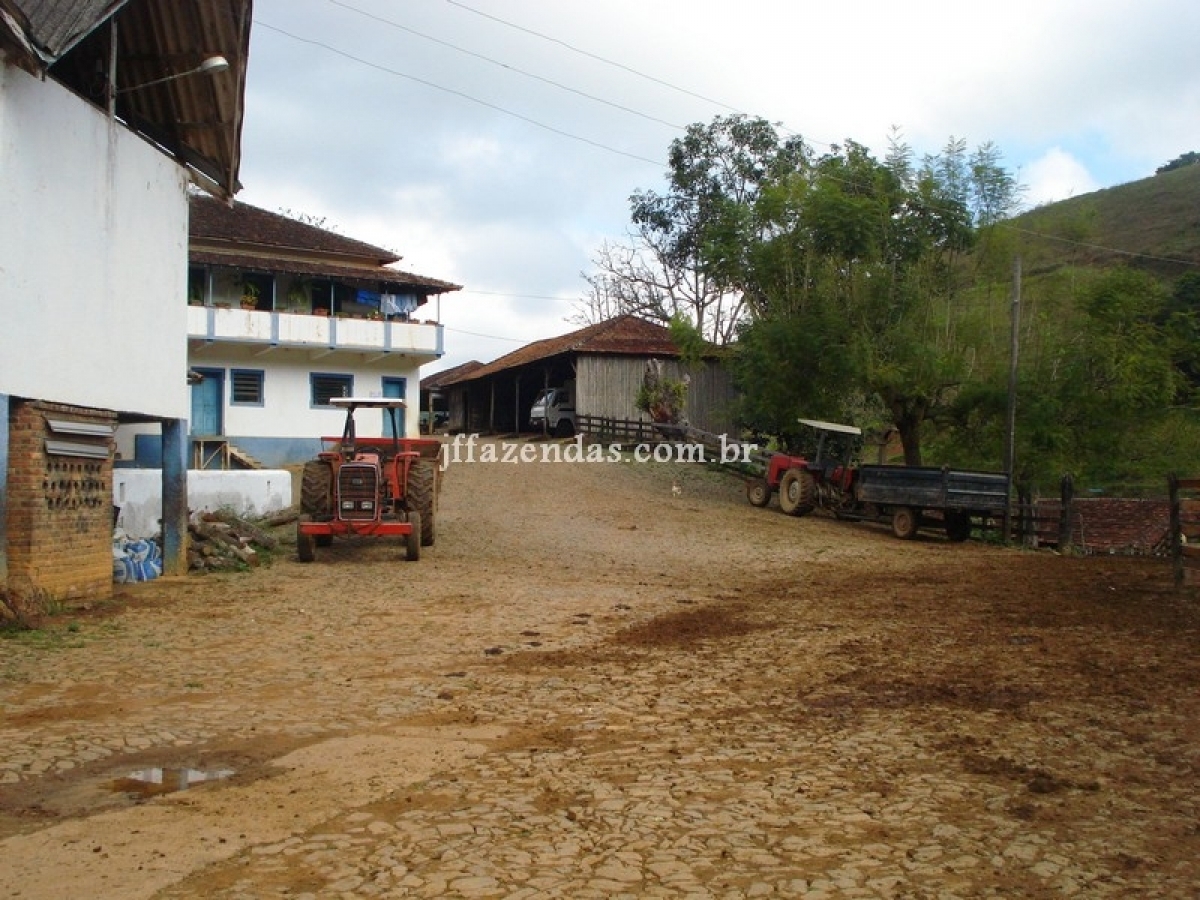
{"type": "Point", "coordinates": [93, 256]}
{"type": "Point", "coordinates": [287, 411]}
{"type": "Point", "coordinates": [138, 492]}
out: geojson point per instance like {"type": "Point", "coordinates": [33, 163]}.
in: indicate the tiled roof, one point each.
{"type": "Point", "coordinates": [241, 223]}
{"type": "Point", "coordinates": [247, 237]}
{"type": "Point", "coordinates": [440, 379]}
{"type": "Point", "coordinates": [367, 276]}
{"type": "Point", "coordinates": [624, 335]}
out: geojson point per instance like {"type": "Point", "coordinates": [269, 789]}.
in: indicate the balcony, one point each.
{"type": "Point", "coordinates": [321, 334]}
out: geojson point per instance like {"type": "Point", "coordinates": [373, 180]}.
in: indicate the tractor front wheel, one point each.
{"type": "Point", "coordinates": [797, 492]}
{"type": "Point", "coordinates": [421, 498]}
{"type": "Point", "coordinates": [758, 492]}
{"type": "Point", "coordinates": [904, 523]}
{"type": "Point", "coordinates": [316, 490]}
{"type": "Point", "coordinates": [412, 541]}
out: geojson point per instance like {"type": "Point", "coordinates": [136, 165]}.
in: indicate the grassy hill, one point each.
{"type": "Point", "coordinates": [1152, 224]}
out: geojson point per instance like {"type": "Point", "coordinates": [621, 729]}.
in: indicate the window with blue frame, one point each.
{"type": "Point", "coordinates": [326, 386]}
{"type": "Point", "coordinates": [246, 387]}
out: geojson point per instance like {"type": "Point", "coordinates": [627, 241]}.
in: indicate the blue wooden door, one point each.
{"type": "Point", "coordinates": [394, 387]}
{"type": "Point", "coordinates": [206, 403]}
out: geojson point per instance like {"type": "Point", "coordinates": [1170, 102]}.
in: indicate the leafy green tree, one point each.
{"type": "Point", "coordinates": [838, 273]}
{"type": "Point", "coordinates": [674, 263]}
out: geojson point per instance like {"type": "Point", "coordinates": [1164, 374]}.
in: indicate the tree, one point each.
{"type": "Point", "coordinates": [1185, 159]}
{"type": "Point", "coordinates": [839, 274]}
{"type": "Point", "coordinates": [858, 277]}
{"type": "Point", "coordinates": [672, 265]}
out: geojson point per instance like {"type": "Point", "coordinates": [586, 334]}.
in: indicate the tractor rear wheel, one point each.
{"type": "Point", "coordinates": [412, 541]}
{"type": "Point", "coordinates": [904, 523]}
{"type": "Point", "coordinates": [758, 492]}
{"type": "Point", "coordinates": [316, 490]}
{"type": "Point", "coordinates": [421, 498]}
{"type": "Point", "coordinates": [305, 545]}
{"type": "Point", "coordinates": [797, 492]}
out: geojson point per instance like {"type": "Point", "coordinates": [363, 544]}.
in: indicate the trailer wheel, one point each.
{"type": "Point", "coordinates": [758, 492]}
{"type": "Point", "coordinates": [412, 541]}
{"type": "Point", "coordinates": [305, 545]}
{"type": "Point", "coordinates": [797, 492]}
{"type": "Point", "coordinates": [904, 523]}
{"type": "Point", "coordinates": [421, 498]}
{"type": "Point", "coordinates": [316, 489]}
{"type": "Point", "coordinates": [958, 525]}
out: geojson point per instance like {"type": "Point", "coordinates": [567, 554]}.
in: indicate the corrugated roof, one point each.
{"type": "Point", "coordinates": [52, 27]}
{"type": "Point", "coordinates": [196, 118]}
{"type": "Point", "coordinates": [624, 335]}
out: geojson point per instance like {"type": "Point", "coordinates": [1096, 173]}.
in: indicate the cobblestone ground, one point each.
{"type": "Point", "coordinates": [594, 687]}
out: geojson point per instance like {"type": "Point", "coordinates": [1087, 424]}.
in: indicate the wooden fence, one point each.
{"type": "Point", "coordinates": [631, 432]}
{"type": "Point", "coordinates": [1185, 529]}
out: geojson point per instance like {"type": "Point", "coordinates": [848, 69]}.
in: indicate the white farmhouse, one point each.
{"type": "Point", "coordinates": [109, 110]}
{"type": "Point", "coordinates": [282, 316]}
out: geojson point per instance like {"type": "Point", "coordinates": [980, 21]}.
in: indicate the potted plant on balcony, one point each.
{"type": "Point", "coordinates": [249, 295]}
{"type": "Point", "coordinates": [297, 296]}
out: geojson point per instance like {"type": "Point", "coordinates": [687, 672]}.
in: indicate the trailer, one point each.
{"type": "Point", "coordinates": [910, 497]}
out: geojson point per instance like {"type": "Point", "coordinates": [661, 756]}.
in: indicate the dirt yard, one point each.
{"type": "Point", "coordinates": [595, 687]}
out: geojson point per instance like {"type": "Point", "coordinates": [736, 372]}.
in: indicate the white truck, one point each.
{"type": "Point", "coordinates": [553, 410]}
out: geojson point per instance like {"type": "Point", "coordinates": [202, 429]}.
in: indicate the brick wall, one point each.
{"type": "Point", "coordinates": [59, 510]}
{"type": "Point", "coordinates": [1109, 525]}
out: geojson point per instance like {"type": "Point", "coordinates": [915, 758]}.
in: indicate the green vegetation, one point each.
{"type": "Point", "coordinates": [881, 291]}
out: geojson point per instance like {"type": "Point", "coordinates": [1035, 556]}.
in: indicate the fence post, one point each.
{"type": "Point", "coordinates": [1066, 513]}
{"type": "Point", "coordinates": [1176, 530]}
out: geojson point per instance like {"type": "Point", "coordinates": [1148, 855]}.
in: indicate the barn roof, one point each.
{"type": "Point", "coordinates": [622, 336]}
{"type": "Point", "coordinates": [440, 379]}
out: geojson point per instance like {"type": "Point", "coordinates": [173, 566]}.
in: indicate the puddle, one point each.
{"type": "Point", "coordinates": [157, 781]}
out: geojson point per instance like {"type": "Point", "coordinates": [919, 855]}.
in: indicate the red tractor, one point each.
{"type": "Point", "coordinates": [799, 479]}
{"type": "Point", "coordinates": [370, 487]}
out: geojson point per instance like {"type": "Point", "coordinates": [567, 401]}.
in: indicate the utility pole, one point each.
{"type": "Point", "coordinates": [1010, 431]}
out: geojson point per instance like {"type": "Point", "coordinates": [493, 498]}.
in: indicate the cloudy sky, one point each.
{"type": "Point", "coordinates": [495, 143]}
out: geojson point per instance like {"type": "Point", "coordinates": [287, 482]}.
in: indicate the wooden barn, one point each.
{"type": "Point", "coordinates": [605, 361]}
{"type": "Point", "coordinates": [435, 407]}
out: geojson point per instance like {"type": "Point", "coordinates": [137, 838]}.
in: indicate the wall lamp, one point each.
{"type": "Point", "coordinates": [210, 66]}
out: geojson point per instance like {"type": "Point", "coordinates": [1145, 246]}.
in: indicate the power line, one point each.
{"type": "Point", "coordinates": [506, 66]}
{"type": "Point", "coordinates": [1084, 244]}
{"type": "Point", "coordinates": [457, 93]}
{"type": "Point", "coordinates": [596, 57]}
{"type": "Point", "coordinates": [597, 144]}
{"type": "Point", "coordinates": [491, 337]}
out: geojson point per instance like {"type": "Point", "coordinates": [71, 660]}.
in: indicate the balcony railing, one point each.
{"type": "Point", "coordinates": [301, 330]}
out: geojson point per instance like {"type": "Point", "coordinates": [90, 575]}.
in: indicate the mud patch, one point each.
{"type": "Point", "coordinates": [689, 628]}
